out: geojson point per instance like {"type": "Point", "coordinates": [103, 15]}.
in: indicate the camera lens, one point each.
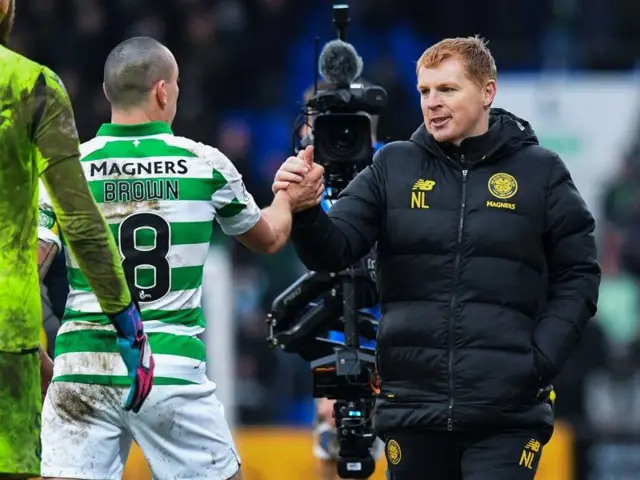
{"type": "Point", "coordinates": [343, 139]}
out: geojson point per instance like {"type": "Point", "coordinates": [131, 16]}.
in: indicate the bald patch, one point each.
{"type": "Point", "coordinates": [133, 68]}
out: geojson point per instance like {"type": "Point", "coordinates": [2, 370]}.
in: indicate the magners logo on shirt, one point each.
{"type": "Point", "coordinates": [140, 167]}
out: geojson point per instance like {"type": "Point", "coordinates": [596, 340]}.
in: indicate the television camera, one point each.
{"type": "Point", "coordinates": [340, 114]}
{"type": "Point", "coordinates": [318, 303]}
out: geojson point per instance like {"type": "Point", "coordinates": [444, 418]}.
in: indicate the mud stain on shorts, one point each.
{"type": "Point", "coordinates": [81, 403]}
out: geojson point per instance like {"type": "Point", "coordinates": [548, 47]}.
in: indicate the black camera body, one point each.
{"type": "Point", "coordinates": [342, 145]}
{"type": "Point", "coordinates": [354, 439]}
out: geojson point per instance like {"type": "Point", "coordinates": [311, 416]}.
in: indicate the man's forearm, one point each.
{"type": "Point", "coordinates": [320, 245]}
{"type": "Point", "coordinates": [278, 216]}
{"type": "Point", "coordinates": [47, 251]}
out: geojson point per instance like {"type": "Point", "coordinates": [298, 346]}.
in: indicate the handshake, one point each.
{"type": "Point", "coordinates": [301, 180]}
{"type": "Point", "coordinates": [302, 183]}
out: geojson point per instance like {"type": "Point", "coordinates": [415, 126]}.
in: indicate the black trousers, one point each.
{"type": "Point", "coordinates": [495, 455]}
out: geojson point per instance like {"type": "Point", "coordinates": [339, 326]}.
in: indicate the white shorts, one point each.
{"type": "Point", "coordinates": [325, 443]}
{"type": "Point", "coordinates": [181, 430]}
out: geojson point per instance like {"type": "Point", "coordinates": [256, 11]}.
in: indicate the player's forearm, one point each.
{"type": "Point", "coordinates": [278, 216]}
{"type": "Point", "coordinates": [47, 251]}
{"type": "Point", "coordinates": [87, 234]}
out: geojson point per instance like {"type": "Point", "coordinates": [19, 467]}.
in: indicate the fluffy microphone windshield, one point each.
{"type": "Point", "coordinates": [339, 63]}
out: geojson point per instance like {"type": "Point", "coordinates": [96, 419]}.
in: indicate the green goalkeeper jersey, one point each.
{"type": "Point", "coordinates": [38, 137]}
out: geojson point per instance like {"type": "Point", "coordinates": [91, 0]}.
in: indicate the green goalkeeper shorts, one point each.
{"type": "Point", "coordinates": [20, 407]}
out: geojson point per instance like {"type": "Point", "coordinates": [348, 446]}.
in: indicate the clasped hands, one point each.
{"type": "Point", "coordinates": [301, 179]}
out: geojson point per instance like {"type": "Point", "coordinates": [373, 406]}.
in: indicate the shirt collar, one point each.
{"type": "Point", "coordinates": [137, 130]}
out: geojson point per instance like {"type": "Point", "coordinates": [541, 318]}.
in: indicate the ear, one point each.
{"type": "Point", "coordinates": [161, 93]}
{"type": "Point", "coordinates": [104, 90]}
{"type": "Point", "coordinates": [489, 92]}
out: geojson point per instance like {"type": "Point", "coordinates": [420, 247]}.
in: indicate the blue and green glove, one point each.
{"type": "Point", "coordinates": [134, 349]}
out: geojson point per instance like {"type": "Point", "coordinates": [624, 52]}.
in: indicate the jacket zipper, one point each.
{"type": "Point", "coordinates": [456, 273]}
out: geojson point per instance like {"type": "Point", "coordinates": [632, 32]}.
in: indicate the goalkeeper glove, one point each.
{"type": "Point", "coordinates": [134, 349]}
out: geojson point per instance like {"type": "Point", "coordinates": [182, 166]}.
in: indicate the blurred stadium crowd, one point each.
{"type": "Point", "coordinates": [244, 65]}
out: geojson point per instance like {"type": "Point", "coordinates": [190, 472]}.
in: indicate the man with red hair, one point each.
{"type": "Point", "coordinates": [486, 269]}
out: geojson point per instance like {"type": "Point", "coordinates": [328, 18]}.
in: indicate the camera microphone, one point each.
{"type": "Point", "coordinates": [341, 130]}
{"type": "Point", "coordinates": [340, 64]}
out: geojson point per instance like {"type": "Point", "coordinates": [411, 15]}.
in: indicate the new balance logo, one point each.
{"type": "Point", "coordinates": [533, 445]}
{"type": "Point", "coordinates": [423, 185]}
{"type": "Point", "coordinates": [418, 195]}
{"type": "Point", "coordinates": [529, 453]}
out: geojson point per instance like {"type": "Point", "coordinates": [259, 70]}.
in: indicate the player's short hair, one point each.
{"type": "Point", "coordinates": [132, 69]}
{"type": "Point", "coordinates": [324, 85]}
{"type": "Point", "coordinates": [473, 51]}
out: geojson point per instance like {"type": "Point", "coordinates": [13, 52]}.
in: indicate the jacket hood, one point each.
{"type": "Point", "coordinates": [507, 133]}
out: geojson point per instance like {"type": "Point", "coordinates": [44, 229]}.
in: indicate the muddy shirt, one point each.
{"type": "Point", "coordinates": [38, 137]}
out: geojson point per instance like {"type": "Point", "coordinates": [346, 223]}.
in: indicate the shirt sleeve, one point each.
{"type": "Point", "coordinates": [55, 136]}
{"type": "Point", "coordinates": [236, 210]}
{"type": "Point", "coordinates": [86, 234]}
{"type": "Point", "coordinates": [48, 229]}
{"type": "Point", "coordinates": [574, 274]}
{"type": "Point", "coordinates": [57, 151]}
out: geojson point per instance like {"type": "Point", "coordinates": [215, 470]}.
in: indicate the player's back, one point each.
{"type": "Point", "coordinates": [159, 194]}
{"type": "Point", "coordinates": [21, 107]}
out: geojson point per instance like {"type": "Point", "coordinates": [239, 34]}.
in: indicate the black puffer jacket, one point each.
{"type": "Point", "coordinates": [487, 274]}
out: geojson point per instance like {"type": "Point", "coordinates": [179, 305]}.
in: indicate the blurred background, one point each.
{"type": "Point", "coordinates": [567, 66]}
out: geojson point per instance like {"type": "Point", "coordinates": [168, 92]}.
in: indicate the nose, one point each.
{"type": "Point", "coordinates": [434, 100]}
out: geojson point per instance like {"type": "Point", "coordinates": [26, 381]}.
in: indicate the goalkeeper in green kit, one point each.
{"type": "Point", "coordinates": [38, 139]}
